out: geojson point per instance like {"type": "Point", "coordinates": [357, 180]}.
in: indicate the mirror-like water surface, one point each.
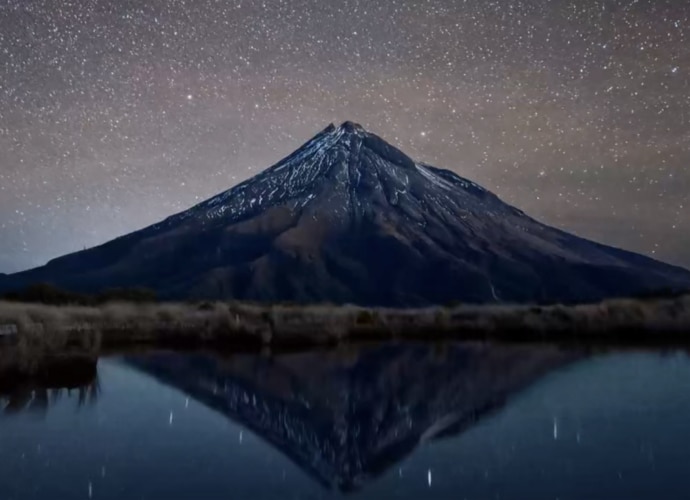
{"type": "Point", "coordinates": [408, 421]}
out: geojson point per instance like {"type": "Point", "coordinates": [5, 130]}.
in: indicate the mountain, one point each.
{"type": "Point", "coordinates": [346, 418]}
{"type": "Point", "coordinates": [348, 218]}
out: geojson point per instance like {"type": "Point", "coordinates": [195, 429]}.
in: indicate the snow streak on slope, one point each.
{"type": "Point", "coordinates": [344, 152]}
{"type": "Point", "coordinates": [286, 180]}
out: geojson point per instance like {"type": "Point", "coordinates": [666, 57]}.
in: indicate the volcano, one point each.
{"type": "Point", "coordinates": [348, 218]}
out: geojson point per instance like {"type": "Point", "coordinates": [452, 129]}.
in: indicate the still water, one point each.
{"type": "Point", "coordinates": [406, 421]}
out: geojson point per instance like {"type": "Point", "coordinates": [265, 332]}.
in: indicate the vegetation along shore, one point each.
{"type": "Point", "coordinates": [32, 333]}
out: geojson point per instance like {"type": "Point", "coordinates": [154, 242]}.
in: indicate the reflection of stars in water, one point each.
{"type": "Point", "coordinates": [240, 437]}
{"type": "Point", "coordinates": [90, 489]}
{"type": "Point", "coordinates": [170, 421]}
{"type": "Point", "coordinates": [186, 403]}
{"type": "Point", "coordinates": [428, 477]}
{"type": "Point", "coordinates": [555, 429]}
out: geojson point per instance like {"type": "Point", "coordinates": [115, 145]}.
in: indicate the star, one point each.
{"type": "Point", "coordinates": [143, 113]}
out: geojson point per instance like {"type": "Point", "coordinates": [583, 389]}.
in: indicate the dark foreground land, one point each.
{"type": "Point", "coordinates": [33, 336]}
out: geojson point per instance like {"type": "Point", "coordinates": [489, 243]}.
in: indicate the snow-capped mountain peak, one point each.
{"type": "Point", "coordinates": [348, 217]}
{"type": "Point", "coordinates": [354, 165]}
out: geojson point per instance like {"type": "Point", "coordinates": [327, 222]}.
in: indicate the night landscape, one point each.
{"type": "Point", "coordinates": [310, 249]}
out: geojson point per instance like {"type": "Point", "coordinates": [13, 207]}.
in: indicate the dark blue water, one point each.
{"type": "Point", "coordinates": [406, 421]}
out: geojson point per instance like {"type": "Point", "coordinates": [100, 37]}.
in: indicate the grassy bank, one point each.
{"type": "Point", "coordinates": [36, 332]}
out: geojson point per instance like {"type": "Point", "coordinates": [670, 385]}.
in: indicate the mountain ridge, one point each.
{"type": "Point", "coordinates": [348, 217]}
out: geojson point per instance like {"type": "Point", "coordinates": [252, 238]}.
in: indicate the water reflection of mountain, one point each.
{"type": "Point", "coordinates": [346, 416]}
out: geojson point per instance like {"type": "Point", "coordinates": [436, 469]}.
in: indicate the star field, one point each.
{"type": "Point", "coordinates": [115, 114]}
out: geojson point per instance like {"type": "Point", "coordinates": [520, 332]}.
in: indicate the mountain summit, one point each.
{"type": "Point", "coordinates": [348, 218]}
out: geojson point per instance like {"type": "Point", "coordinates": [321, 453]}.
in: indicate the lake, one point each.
{"type": "Point", "coordinates": [407, 421]}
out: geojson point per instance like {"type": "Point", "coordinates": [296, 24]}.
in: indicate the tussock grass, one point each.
{"type": "Point", "coordinates": [38, 332]}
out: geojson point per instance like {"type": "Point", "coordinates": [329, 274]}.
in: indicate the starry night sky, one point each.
{"type": "Point", "coordinates": [117, 113]}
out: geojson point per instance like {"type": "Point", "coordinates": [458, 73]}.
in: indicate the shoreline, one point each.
{"type": "Point", "coordinates": [40, 333]}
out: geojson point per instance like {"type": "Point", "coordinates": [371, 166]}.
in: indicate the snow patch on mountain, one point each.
{"type": "Point", "coordinates": [344, 152]}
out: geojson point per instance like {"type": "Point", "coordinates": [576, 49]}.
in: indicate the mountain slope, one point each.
{"type": "Point", "coordinates": [349, 218]}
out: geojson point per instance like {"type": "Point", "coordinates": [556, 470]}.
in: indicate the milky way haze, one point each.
{"type": "Point", "coordinates": [115, 114]}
